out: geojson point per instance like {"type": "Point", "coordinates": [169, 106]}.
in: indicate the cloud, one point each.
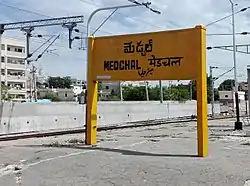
{"type": "Point", "coordinates": [176, 14]}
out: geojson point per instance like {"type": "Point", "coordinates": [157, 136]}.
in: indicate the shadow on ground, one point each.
{"type": "Point", "coordinates": [104, 149]}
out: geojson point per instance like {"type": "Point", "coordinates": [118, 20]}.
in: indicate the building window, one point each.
{"type": "Point", "coordinates": [226, 96]}
{"type": "Point", "coordinates": [15, 60]}
{"type": "Point", "coordinates": [19, 50]}
{"type": "Point", "coordinates": [107, 87]}
{"type": "Point", "coordinates": [3, 47]}
{"type": "Point", "coordinates": [2, 59]}
{"type": "Point", "coordinates": [66, 95]}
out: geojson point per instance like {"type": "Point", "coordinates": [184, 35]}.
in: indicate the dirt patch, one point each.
{"type": "Point", "coordinates": [154, 140]}
{"type": "Point", "coordinates": [157, 136]}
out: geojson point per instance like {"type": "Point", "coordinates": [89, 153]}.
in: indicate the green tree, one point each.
{"type": "Point", "coordinates": [153, 92]}
{"type": "Point", "coordinates": [176, 93]}
{"type": "Point", "coordinates": [228, 85]}
{"type": "Point", "coordinates": [208, 89]}
{"type": "Point", "coordinates": [59, 82]}
{"type": "Point", "coordinates": [131, 93]}
{"type": "Point", "coordinates": [209, 94]}
{"type": "Point", "coordinates": [99, 85]}
{"type": "Point", "coordinates": [4, 91]}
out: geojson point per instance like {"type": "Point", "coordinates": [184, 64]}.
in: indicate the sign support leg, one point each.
{"type": "Point", "coordinates": [91, 105]}
{"type": "Point", "coordinates": [91, 113]}
{"type": "Point", "coordinates": [202, 122]}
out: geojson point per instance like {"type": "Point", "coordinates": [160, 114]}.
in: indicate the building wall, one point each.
{"type": "Point", "coordinates": [229, 95]}
{"type": "Point", "coordinates": [228, 98]}
{"type": "Point", "coordinates": [62, 94]}
{"type": "Point", "coordinates": [78, 82]}
{"type": "Point", "coordinates": [108, 86]}
{"type": "Point", "coordinates": [13, 66]}
{"type": "Point", "coordinates": [243, 86]}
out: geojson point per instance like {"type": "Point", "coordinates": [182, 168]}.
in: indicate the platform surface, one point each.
{"type": "Point", "coordinates": [148, 156]}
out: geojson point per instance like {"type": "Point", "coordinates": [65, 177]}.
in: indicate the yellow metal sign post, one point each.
{"type": "Point", "coordinates": [167, 55]}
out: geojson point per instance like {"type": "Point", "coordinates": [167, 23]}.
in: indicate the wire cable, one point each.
{"type": "Point", "coordinates": [223, 74]}
{"type": "Point", "coordinates": [214, 22]}
{"type": "Point", "coordinates": [40, 55]}
{"type": "Point", "coordinates": [38, 48]}
{"type": "Point", "coordinates": [136, 19]}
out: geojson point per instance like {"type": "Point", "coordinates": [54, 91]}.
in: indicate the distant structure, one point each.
{"type": "Point", "coordinates": [62, 94]}
{"type": "Point", "coordinates": [77, 82]}
{"type": "Point", "coordinates": [243, 86]}
{"type": "Point", "coordinates": [227, 98]}
{"type": "Point", "coordinates": [109, 87]}
{"type": "Point", "coordinates": [13, 68]}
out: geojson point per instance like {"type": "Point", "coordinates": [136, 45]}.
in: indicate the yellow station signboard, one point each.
{"type": "Point", "coordinates": [169, 55]}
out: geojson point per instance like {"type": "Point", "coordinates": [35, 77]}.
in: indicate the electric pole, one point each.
{"type": "Point", "coordinates": [161, 91]}
{"type": "Point", "coordinates": [238, 123]}
{"type": "Point", "coordinates": [71, 28]}
{"type": "Point", "coordinates": [28, 35]}
{"type": "Point", "coordinates": [191, 90]}
{"type": "Point", "coordinates": [121, 93]}
{"type": "Point", "coordinates": [146, 87]}
{"type": "Point", "coordinates": [1, 33]}
{"type": "Point", "coordinates": [34, 81]}
{"type": "Point", "coordinates": [212, 88]}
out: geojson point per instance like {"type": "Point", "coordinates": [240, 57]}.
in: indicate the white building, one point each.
{"type": "Point", "coordinates": [78, 82]}
{"type": "Point", "coordinates": [109, 86]}
{"type": "Point", "coordinates": [228, 98]}
{"type": "Point", "coordinates": [13, 67]}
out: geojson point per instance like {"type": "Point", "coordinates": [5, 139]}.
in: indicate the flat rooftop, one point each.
{"type": "Point", "coordinates": [151, 156]}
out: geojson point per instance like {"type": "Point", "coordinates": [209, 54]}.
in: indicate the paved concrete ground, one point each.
{"type": "Point", "coordinates": [151, 156]}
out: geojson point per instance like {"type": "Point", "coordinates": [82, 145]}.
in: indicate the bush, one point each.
{"type": "Point", "coordinates": [51, 97]}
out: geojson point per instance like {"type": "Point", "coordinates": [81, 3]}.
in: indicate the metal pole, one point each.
{"type": "Point", "coordinates": [238, 124]}
{"type": "Point", "coordinates": [246, 104]}
{"type": "Point", "coordinates": [121, 93]}
{"type": "Point", "coordinates": [27, 56]}
{"type": "Point", "coordinates": [34, 81]}
{"type": "Point", "coordinates": [87, 41]}
{"type": "Point", "coordinates": [248, 82]}
{"type": "Point", "coordinates": [161, 91]}
{"type": "Point", "coordinates": [1, 33]}
{"type": "Point", "coordinates": [70, 29]}
{"type": "Point", "coordinates": [212, 89]}
{"type": "Point", "coordinates": [191, 90]}
{"type": "Point", "coordinates": [106, 8]}
{"type": "Point", "coordinates": [1, 69]}
{"type": "Point", "coordinates": [146, 87]}
{"type": "Point", "coordinates": [30, 80]}
{"type": "Point", "coordinates": [28, 35]}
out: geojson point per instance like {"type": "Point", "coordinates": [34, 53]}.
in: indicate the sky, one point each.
{"type": "Point", "coordinates": [175, 14]}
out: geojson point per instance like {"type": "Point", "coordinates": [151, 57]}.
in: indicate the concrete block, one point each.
{"type": "Point", "coordinates": [35, 117]}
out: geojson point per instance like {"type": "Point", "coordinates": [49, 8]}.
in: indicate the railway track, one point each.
{"type": "Point", "coordinates": [136, 124]}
